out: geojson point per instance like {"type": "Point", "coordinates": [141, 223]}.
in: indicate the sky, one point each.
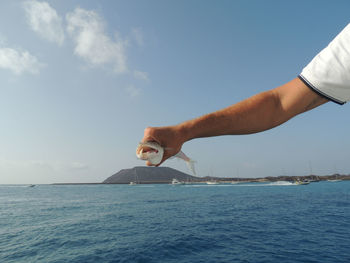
{"type": "Point", "coordinates": [80, 80]}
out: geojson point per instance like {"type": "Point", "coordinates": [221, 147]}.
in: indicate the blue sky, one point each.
{"type": "Point", "coordinates": [80, 80]}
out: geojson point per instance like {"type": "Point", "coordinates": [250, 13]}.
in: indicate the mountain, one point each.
{"type": "Point", "coordinates": [164, 175]}
{"type": "Point", "coordinates": [149, 175]}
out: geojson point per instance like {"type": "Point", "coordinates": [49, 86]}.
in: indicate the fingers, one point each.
{"type": "Point", "coordinates": [165, 137]}
{"type": "Point", "coordinates": [166, 156]}
{"type": "Point", "coordinates": [149, 135]}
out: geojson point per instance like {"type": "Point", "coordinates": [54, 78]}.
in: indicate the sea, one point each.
{"type": "Point", "coordinates": [250, 222]}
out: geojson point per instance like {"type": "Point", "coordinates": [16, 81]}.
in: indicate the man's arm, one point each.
{"type": "Point", "coordinates": [255, 114]}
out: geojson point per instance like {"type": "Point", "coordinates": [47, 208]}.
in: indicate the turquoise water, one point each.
{"type": "Point", "coordinates": [274, 222]}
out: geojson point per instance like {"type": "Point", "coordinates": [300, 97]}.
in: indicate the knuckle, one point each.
{"type": "Point", "coordinates": [148, 130]}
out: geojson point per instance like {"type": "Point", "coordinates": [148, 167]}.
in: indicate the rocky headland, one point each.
{"type": "Point", "coordinates": [165, 175]}
{"type": "Point", "coordinates": [149, 175]}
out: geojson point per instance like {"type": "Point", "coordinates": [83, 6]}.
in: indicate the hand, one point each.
{"type": "Point", "coordinates": [168, 137]}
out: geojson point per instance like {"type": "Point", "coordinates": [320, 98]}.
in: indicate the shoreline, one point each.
{"type": "Point", "coordinates": [311, 178]}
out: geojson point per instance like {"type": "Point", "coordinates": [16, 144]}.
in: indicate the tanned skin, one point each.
{"type": "Point", "coordinates": [258, 113]}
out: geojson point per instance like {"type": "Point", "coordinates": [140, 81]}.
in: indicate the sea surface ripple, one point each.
{"type": "Point", "coordinates": [163, 223]}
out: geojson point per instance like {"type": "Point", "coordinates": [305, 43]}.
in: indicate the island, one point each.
{"type": "Point", "coordinates": [165, 175]}
{"type": "Point", "coordinates": [149, 175]}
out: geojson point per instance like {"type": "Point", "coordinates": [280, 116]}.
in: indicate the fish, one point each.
{"type": "Point", "coordinates": [150, 151]}
{"type": "Point", "coordinates": [153, 152]}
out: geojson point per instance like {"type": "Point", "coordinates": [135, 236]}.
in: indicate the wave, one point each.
{"type": "Point", "coordinates": [278, 183]}
{"type": "Point", "coordinates": [243, 184]}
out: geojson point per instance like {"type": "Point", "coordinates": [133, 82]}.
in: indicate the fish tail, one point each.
{"type": "Point", "coordinates": [189, 161]}
{"type": "Point", "coordinates": [190, 164]}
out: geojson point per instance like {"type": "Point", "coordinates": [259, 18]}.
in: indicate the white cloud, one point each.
{"type": "Point", "coordinates": [43, 19]}
{"type": "Point", "coordinates": [19, 61]}
{"type": "Point", "coordinates": [141, 75]}
{"type": "Point", "coordinates": [91, 42]}
{"type": "Point", "coordinates": [137, 35]}
{"type": "Point", "coordinates": [133, 91]}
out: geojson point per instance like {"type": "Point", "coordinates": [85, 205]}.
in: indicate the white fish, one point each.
{"type": "Point", "coordinates": [153, 152]}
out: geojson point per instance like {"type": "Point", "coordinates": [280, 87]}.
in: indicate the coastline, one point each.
{"type": "Point", "coordinates": [311, 178]}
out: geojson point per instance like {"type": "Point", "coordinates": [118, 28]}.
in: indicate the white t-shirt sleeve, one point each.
{"type": "Point", "coordinates": [329, 72]}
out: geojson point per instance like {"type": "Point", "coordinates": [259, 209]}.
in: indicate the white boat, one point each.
{"type": "Point", "coordinates": [303, 182]}
{"type": "Point", "coordinates": [212, 182]}
{"type": "Point", "coordinates": [334, 180]}
{"type": "Point", "coordinates": [175, 181]}
{"type": "Point", "coordinates": [132, 183]}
